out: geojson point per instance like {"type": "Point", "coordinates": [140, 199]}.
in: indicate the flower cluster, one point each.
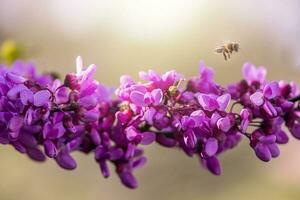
{"type": "Point", "coordinates": [42, 116]}
{"type": "Point", "coordinates": [267, 105]}
{"type": "Point", "coordinates": [193, 117]}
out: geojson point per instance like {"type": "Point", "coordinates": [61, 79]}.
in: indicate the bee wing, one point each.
{"type": "Point", "coordinates": [219, 49]}
{"type": "Point", "coordinates": [237, 47]}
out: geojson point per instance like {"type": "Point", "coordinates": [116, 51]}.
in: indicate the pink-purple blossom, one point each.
{"type": "Point", "coordinates": [42, 116]}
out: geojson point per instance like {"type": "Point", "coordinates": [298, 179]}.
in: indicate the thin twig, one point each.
{"type": "Point", "coordinates": [294, 99]}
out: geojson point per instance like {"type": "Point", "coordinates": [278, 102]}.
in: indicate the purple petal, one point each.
{"type": "Point", "coordinates": [257, 98]}
{"type": "Point", "coordinates": [47, 128]}
{"type": "Point", "coordinates": [138, 152]}
{"type": "Point", "coordinates": [274, 150]}
{"type": "Point", "coordinates": [26, 97]}
{"type": "Point", "coordinates": [15, 123]}
{"type": "Point", "coordinates": [104, 168]}
{"type": "Point", "coordinates": [58, 117]}
{"type": "Point", "coordinates": [139, 162]}
{"type": "Point", "coordinates": [65, 161]}
{"type": "Point", "coordinates": [224, 124]}
{"type": "Point", "coordinates": [245, 120]}
{"type": "Point", "coordinates": [124, 116]}
{"type": "Point", "coordinates": [206, 73]}
{"type": "Point", "coordinates": [165, 141]}
{"type": "Point", "coordinates": [261, 73]}
{"type": "Point", "coordinates": [19, 147]}
{"type": "Point", "coordinates": [190, 139]}
{"type": "Point", "coordinates": [29, 140]}
{"type": "Point", "coordinates": [126, 81]}
{"type": "Point", "coordinates": [211, 147]}
{"type": "Point", "coordinates": [270, 109]}
{"type": "Point", "coordinates": [95, 137]}
{"type": "Point", "coordinates": [36, 154]}
{"type": "Point", "coordinates": [147, 138]}
{"type": "Point", "coordinates": [214, 119]}
{"type": "Point", "coordinates": [198, 117]}
{"type": "Point", "coordinates": [213, 165]}
{"type": "Point", "coordinates": [223, 101]}
{"type": "Point", "coordinates": [5, 116]}
{"type": "Point", "coordinates": [128, 179]}
{"type": "Point", "coordinates": [131, 133]}
{"type": "Point", "coordinates": [271, 90]}
{"type": "Point", "coordinates": [88, 73]}
{"type": "Point", "coordinates": [187, 122]}
{"type": "Point", "coordinates": [149, 114]}
{"type": "Point", "coordinates": [169, 78]}
{"type": "Point", "coordinates": [295, 130]}
{"type": "Point", "coordinates": [262, 152]}
{"type": "Point", "coordinates": [116, 153]}
{"type": "Point", "coordinates": [15, 91]}
{"type": "Point", "coordinates": [100, 153]}
{"type": "Point", "coordinates": [88, 102]}
{"type": "Point", "coordinates": [4, 139]}
{"type": "Point", "coordinates": [281, 137]}
{"type": "Point", "coordinates": [88, 88]}
{"type": "Point", "coordinates": [74, 144]}
{"type": "Point", "coordinates": [148, 98]}
{"type": "Point", "coordinates": [137, 98]}
{"type": "Point", "coordinates": [3, 89]}
{"type": "Point", "coordinates": [41, 98]}
{"type": "Point", "coordinates": [130, 151]}
{"type": "Point", "coordinates": [15, 78]}
{"type": "Point", "coordinates": [13, 135]}
{"type": "Point", "coordinates": [208, 102]}
{"type": "Point", "coordinates": [245, 114]}
{"type": "Point", "coordinates": [71, 81]}
{"type": "Point", "coordinates": [50, 149]}
{"type": "Point", "coordinates": [270, 139]}
{"type": "Point", "coordinates": [62, 95]}
{"type": "Point", "coordinates": [53, 132]}
{"type": "Point", "coordinates": [91, 115]}
{"type": "Point", "coordinates": [254, 74]}
{"type": "Point", "coordinates": [248, 72]}
{"type": "Point", "coordinates": [157, 95]}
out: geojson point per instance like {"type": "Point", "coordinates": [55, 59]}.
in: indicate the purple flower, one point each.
{"type": "Point", "coordinates": [212, 102]}
{"type": "Point", "coordinates": [65, 161]}
{"type": "Point", "coordinates": [253, 74]}
{"type": "Point", "coordinates": [133, 135]}
{"type": "Point", "coordinates": [211, 147]}
{"type": "Point", "coordinates": [266, 149]}
{"type": "Point", "coordinates": [196, 115]}
{"type": "Point", "coordinates": [212, 164]}
{"type": "Point", "coordinates": [295, 130]}
{"type": "Point", "coordinates": [41, 98]}
{"type": "Point", "coordinates": [190, 139]}
{"type": "Point", "coordinates": [204, 83]}
{"type": "Point", "coordinates": [141, 99]}
{"type": "Point", "coordinates": [245, 116]}
{"type": "Point", "coordinates": [270, 91]}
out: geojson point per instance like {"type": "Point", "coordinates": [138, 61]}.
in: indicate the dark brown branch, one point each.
{"type": "Point", "coordinates": [294, 99]}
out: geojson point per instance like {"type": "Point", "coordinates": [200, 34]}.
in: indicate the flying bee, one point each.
{"type": "Point", "coordinates": [227, 49]}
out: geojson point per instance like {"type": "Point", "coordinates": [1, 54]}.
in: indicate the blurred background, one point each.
{"type": "Point", "coordinates": [124, 37]}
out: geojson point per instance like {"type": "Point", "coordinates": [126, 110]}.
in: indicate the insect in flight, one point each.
{"type": "Point", "coordinates": [227, 49]}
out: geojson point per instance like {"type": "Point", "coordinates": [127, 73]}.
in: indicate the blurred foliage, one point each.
{"type": "Point", "coordinates": [10, 50]}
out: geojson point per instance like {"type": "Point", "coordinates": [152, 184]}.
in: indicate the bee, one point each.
{"type": "Point", "coordinates": [227, 49]}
